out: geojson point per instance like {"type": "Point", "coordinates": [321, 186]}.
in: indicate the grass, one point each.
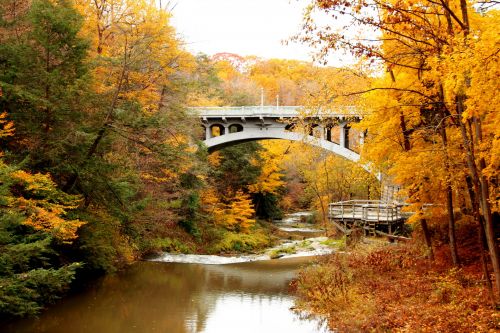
{"type": "Point", "coordinates": [169, 245]}
{"type": "Point", "coordinates": [277, 253]}
{"type": "Point", "coordinates": [338, 244]}
{"type": "Point", "coordinates": [230, 242]}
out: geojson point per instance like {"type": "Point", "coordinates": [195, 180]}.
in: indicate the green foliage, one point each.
{"type": "Point", "coordinates": [101, 245]}
{"type": "Point", "coordinates": [313, 217]}
{"type": "Point", "coordinates": [32, 270]}
{"type": "Point", "coordinates": [237, 168]}
{"type": "Point", "coordinates": [26, 293]}
{"type": "Point", "coordinates": [190, 207]}
{"type": "Point", "coordinates": [239, 242]}
{"type": "Point", "coordinates": [267, 206]}
{"type": "Point", "coordinates": [277, 253]}
{"type": "Point", "coordinates": [169, 245]}
{"type": "Point", "coordinates": [338, 244]}
{"type": "Point", "coordinates": [43, 76]}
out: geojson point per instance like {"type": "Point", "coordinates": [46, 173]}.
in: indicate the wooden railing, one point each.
{"type": "Point", "coordinates": [366, 210]}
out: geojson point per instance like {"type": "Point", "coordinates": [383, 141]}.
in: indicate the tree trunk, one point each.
{"type": "Point", "coordinates": [481, 237]}
{"type": "Point", "coordinates": [427, 237]}
{"type": "Point", "coordinates": [449, 193]}
{"type": "Point", "coordinates": [479, 182]}
{"type": "Point", "coordinates": [451, 226]}
{"type": "Point", "coordinates": [481, 188]}
{"type": "Point", "coordinates": [488, 218]}
{"type": "Point", "coordinates": [404, 131]}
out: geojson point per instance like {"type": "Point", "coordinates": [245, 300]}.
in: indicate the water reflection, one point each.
{"type": "Point", "coordinates": [182, 298]}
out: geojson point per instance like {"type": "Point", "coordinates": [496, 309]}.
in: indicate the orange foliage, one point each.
{"type": "Point", "coordinates": [44, 206]}
{"type": "Point", "coordinates": [6, 127]}
{"type": "Point", "coordinates": [271, 177]}
{"type": "Point", "coordinates": [396, 289]}
{"type": "Point", "coordinates": [233, 212]}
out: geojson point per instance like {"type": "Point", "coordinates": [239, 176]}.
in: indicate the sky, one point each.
{"type": "Point", "coordinates": [244, 27]}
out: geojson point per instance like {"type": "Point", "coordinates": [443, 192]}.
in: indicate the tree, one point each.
{"type": "Point", "coordinates": [34, 222]}
{"type": "Point", "coordinates": [43, 77]}
{"type": "Point", "coordinates": [423, 110]}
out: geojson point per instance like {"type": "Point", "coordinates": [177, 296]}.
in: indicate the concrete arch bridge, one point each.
{"type": "Point", "coordinates": [226, 126]}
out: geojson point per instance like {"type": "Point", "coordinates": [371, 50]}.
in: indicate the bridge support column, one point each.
{"type": "Point", "coordinates": [208, 132]}
{"type": "Point", "coordinates": [328, 133]}
{"type": "Point", "coordinates": [344, 136]}
{"type": "Point", "coordinates": [362, 136]}
{"type": "Point", "coordinates": [321, 131]}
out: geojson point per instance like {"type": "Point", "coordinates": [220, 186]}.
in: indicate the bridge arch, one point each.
{"type": "Point", "coordinates": [217, 130]}
{"type": "Point", "coordinates": [230, 139]}
{"type": "Point", "coordinates": [234, 128]}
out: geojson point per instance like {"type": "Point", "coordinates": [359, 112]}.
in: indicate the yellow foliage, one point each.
{"type": "Point", "coordinates": [44, 206]}
{"type": "Point", "coordinates": [235, 213]}
{"type": "Point", "coordinates": [214, 159]}
{"type": "Point", "coordinates": [270, 179]}
{"type": "Point", "coordinates": [135, 49]}
{"type": "Point", "coordinates": [241, 212]}
{"type": "Point", "coordinates": [6, 127]}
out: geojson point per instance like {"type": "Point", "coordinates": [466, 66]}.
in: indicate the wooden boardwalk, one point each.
{"type": "Point", "coordinates": [371, 215]}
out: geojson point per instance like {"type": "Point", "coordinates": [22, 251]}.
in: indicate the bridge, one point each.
{"type": "Point", "coordinates": [226, 126]}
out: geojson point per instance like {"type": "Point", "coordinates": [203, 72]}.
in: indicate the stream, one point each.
{"type": "Point", "coordinates": [188, 294]}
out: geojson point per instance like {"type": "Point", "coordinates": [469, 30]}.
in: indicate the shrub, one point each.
{"type": "Point", "coordinates": [241, 242]}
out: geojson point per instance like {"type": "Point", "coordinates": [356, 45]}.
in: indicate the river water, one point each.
{"type": "Point", "coordinates": [183, 297]}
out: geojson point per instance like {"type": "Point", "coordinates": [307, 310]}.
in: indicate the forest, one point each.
{"type": "Point", "coordinates": [101, 164]}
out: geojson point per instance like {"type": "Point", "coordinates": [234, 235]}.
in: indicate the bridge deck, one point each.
{"type": "Point", "coordinates": [369, 214]}
{"type": "Point", "coordinates": [271, 111]}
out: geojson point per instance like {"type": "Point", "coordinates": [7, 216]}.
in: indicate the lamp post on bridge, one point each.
{"type": "Point", "coordinates": [261, 99]}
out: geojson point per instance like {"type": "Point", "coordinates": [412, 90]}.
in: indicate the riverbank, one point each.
{"type": "Point", "coordinates": [381, 287]}
{"type": "Point", "coordinates": [296, 235]}
{"type": "Point", "coordinates": [310, 247]}
{"type": "Point", "coordinates": [263, 236]}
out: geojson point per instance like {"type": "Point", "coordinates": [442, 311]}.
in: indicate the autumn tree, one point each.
{"type": "Point", "coordinates": [425, 122]}
{"type": "Point", "coordinates": [329, 178]}
{"type": "Point", "coordinates": [35, 223]}
{"type": "Point", "coordinates": [270, 184]}
{"type": "Point", "coordinates": [43, 77]}
{"type": "Point", "coordinates": [97, 91]}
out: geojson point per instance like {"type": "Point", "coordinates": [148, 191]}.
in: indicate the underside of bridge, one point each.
{"type": "Point", "coordinates": [228, 126]}
{"type": "Point", "coordinates": [230, 139]}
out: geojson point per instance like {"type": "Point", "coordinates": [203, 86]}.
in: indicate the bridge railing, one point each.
{"type": "Point", "coordinates": [274, 111]}
{"type": "Point", "coordinates": [366, 210]}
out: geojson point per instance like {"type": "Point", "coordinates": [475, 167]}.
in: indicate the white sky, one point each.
{"type": "Point", "coordinates": [244, 27]}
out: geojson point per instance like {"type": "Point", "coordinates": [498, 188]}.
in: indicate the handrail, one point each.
{"type": "Point", "coordinates": [366, 210]}
{"type": "Point", "coordinates": [284, 111]}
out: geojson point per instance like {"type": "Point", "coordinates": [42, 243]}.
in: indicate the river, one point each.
{"type": "Point", "coordinates": [180, 297]}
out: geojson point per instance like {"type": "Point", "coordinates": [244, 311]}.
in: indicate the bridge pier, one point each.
{"type": "Point", "coordinates": [208, 132]}
{"type": "Point", "coordinates": [344, 136]}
